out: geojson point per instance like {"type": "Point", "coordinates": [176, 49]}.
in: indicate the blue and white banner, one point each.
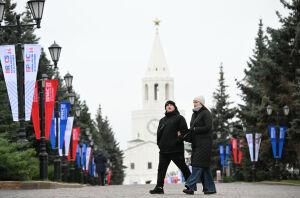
{"type": "Point", "coordinates": [227, 154]}
{"type": "Point", "coordinates": [52, 131]}
{"type": "Point", "coordinates": [221, 148]}
{"type": "Point", "coordinates": [87, 156]}
{"type": "Point", "coordinates": [78, 157]}
{"type": "Point", "coordinates": [249, 137]}
{"type": "Point", "coordinates": [257, 145]}
{"type": "Point", "coordinates": [272, 130]}
{"type": "Point", "coordinates": [64, 113]}
{"type": "Point", "coordinates": [68, 134]}
{"type": "Point", "coordinates": [32, 54]}
{"type": "Point", "coordinates": [84, 148]}
{"type": "Point", "coordinates": [282, 132]}
{"type": "Point", "coordinates": [8, 62]}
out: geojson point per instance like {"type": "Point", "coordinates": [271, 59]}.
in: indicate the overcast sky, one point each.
{"type": "Point", "coordinates": [106, 46]}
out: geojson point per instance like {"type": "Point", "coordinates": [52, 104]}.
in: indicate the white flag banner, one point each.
{"type": "Point", "coordinates": [32, 54]}
{"type": "Point", "coordinates": [257, 144]}
{"type": "Point", "coordinates": [68, 133]}
{"type": "Point", "coordinates": [87, 157]}
{"type": "Point", "coordinates": [249, 137]}
{"type": "Point", "coordinates": [8, 62]}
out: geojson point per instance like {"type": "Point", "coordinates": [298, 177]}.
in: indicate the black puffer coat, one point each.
{"type": "Point", "coordinates": [100, 161]}
{"type": "Point", "coordinates": [167, 138]}
{"type": "Point", "coordinates": [200, 135]}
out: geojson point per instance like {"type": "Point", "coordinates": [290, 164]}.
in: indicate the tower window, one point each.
{"type": "Point", "coordinates": [149, 165]}
{"type": "Point", "coordinates": [131, 165]}
{"type": "Point", "coordinates": [167, 91]}
{"type": "Point", "coordinates": [156, 92]}
{"type": "Point", "coordinates": [146, 92]}
{"type": "Point", "coordinates": [156, 69]}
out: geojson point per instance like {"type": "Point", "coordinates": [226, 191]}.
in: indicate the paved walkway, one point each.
{"type": "Point", "coordinates": [238, 190]}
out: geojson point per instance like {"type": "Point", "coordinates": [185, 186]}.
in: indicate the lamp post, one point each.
{"type": "Point", "coordinates": [36, 8]}
{"type": "Point", "coordinates": [72, 162]}
{"type": "Point", "coordinates": [219, 135]}
{"type": "Point", "coordinates": [286, 113]}
{"type": "Point", "coordinates": [55, 51]}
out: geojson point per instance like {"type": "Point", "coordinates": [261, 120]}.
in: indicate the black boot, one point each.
{"type": "Point", "coordinates": [188, 191]}
{"type": "Point", "coordinates": [157, 190]}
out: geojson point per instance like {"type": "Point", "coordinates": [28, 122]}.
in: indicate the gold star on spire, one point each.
{"type": "Point", "coordinates": [156, 22]}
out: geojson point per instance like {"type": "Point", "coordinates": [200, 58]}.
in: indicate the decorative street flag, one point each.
{"type": "Point", "coordinates": [75, 138]}
{"type": "Point", "coordinates": [234, 149]}
{"type": "Point", "coordinates": [281, 139]}
{"type": "Point", "coordinates": [249, 137]}
{"type": "Point", "coordinates": [52, 130]}
{"type": "Point", "coordinates": [221, 148]}
{"type": "Point", "coordinates": [240, 150]}
{"type": "Point", "coordinates": [8, 62]}
{"type": "Point", "coordinates": [227, 154]}
{"type": "Point", "coordinates": [35, 112]}
{"type": "Point", "coordinates": [78, 156]}
{"type": "Point", "coordinates": [87, 159]}
{"type": "Point", "coordinates": [32, 54]}
{"type": "Point", "coordinates": [257, 144]}
{"type": "Point", "coordinates": [272, 130]}
{"type": "Point", "coordinates": [64, 113]}
{"type": "Point", "coordinates": [68, 134]}
{"type": "Point", "coordinates": [84, 148]}
{"type": "Point", "coordinates": [50, 93]}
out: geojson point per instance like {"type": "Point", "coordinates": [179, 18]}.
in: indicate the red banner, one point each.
{"type": "Point", "coordinates": [240, 152]}
{"type": "Point", "coordinates": [75, 134]}
{"type": "Point", "coordinates": [50, 93]}
{"type": "Point", "coordinates": [108, 178]}
{"type": "Point", "coordinates": [234, 149]}
{"type": "Point", "coordinates": [35, 112]}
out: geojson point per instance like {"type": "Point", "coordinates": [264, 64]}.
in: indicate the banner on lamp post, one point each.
{"type": "Point", "coordinates": [75, 135]}
{"type": "Point", "coordinates": [50, 93]}
{"type": "Point", "coordinates": [68, 134]}
{"type": "Point", "coordinates": [84, 148]}
{"type": "Point", "coordinates": [257, 145]}
{"type": "Point", "coordinates": [88, 155]}
{"type": "Point", "coordinates": [240, 150]}
{"type": "Point", "coordinates": [8, 62]}
{"type": "Point", "coordinates": [227, 155]}
{"type": "Point", "coordinates": [35, 112]}
{"type": "Point", "coordinates": [32, 54]}
{"type": "Point", "coordinates": [78, 156]}
{"type": "Point", "coordinates": [249, 137]}
{"type": "Point", "coordinates": [234, 149]}
{"type": "Point", "coordinates": [282, 132]}
{"type": "Point", "coordinates": [64, 113]}
{"type": "Point", "coordinates": [52, 130]}
{"type": "Point", "coordinates": [221, 148]}
{"type": "Point", "coordinates": [272, 130]}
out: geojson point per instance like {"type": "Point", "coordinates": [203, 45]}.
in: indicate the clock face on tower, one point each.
{"type": "Point", "coordinates": [152, 126]}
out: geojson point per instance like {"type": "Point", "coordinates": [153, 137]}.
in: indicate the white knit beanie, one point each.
{"type": "Point", "coordinates": [200, 99]}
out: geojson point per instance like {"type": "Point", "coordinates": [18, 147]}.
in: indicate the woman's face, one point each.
{"type": "Point", "coordinates": [196, 103]}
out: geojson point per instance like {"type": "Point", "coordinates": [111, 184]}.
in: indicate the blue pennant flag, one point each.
{"type": "Point", "coordinates": [52, 130]}
{"type": "Point", "coordinates": [272, 130]}
{"type": "Point", "coordinates": [227, 154]}
{"type": "Point", "coordinates": [84, 147]}
{"type": "Point", "coordinates": [64, 113]}
{"type": "Point", "coordinates": [282, 132]}
{"type": "Point", "coordinates": [221, 148]}
{"type": "Point", "coordinates": [78, 156]}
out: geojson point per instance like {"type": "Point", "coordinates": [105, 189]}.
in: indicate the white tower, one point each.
{"type": "Point", "coordinates": [142, 155]}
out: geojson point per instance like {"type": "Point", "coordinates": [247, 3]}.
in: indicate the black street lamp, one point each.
{"type": "Point", "coordinates": [43, 154]}
{"type": "Point", "coordinates": [285, 110]}
{"type": "Point", "coordinates": [55, 50]}
{"type": "Point", "coordinates": [36, 8]}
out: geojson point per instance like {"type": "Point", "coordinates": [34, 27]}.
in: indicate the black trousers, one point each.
{"type": "Point", "coordinates": [164, 161]}
{"type": "Point", "coordinates": [100, 179]}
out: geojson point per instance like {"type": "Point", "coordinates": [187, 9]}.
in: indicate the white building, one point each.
{"type": "Point", "coordinates": [142, 155]}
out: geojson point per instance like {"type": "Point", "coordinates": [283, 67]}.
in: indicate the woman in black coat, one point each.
{"type": "Point", "coordinates": [200, 135]}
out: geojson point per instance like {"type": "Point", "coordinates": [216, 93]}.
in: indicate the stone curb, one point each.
{"type": "Point", "coordinates": [21, 185]}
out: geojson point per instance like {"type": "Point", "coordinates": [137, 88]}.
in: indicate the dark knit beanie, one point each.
{"type": "Point", "coordinates": [172, 103]}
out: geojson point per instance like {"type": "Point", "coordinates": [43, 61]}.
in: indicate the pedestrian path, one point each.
{"type": "Point", "coordinates": [226, 190]}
